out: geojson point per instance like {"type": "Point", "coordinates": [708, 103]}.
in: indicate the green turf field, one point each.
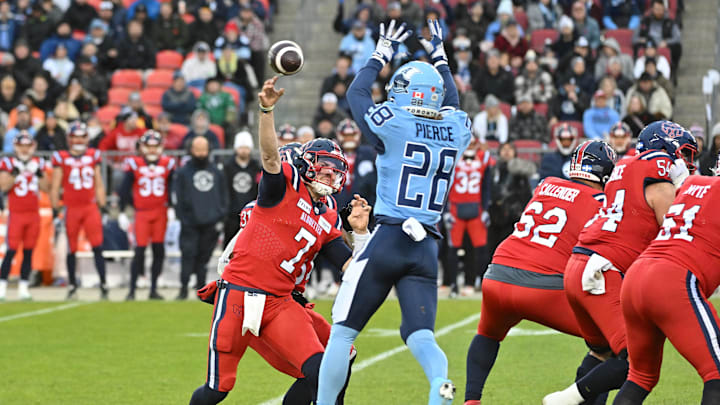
{"type": "Point", "coordinates": [155, 353]}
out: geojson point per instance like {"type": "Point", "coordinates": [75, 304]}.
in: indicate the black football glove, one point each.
{"type": "Point", "coordinates": [300, 298]}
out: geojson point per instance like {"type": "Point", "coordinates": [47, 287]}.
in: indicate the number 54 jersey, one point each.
{"type": "Point", "coordinates": [78, 179]}
{"type": "Point", "coordinates": [625, 227]}
{"type": "Point", "coordinates": [549, 227]}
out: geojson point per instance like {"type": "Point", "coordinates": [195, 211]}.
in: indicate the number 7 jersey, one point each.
{"type": "Point", "coordinates": [78, 181]}
{"type": "Point", "coordinates": [622, 230]}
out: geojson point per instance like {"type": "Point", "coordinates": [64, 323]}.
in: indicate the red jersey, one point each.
{"type": "Point", "coordinates": [23, 195]}
{"type": "Point", "coordinates": [467, 184]}
{"type": "Point", "coordinates": [689, 235]}
{"type": "Point", "coordinates": [275, 250]}
{"type": "Point", "coordinates": [624, 228]}
{"type": "Point", "coordinates": [548, 229]}
{"type": "Point", "coordinates": [121, 139]}
{"type": "Point", "coordinates": [150, 187]}
{"type": "Point", "coordinates": [78, 179]}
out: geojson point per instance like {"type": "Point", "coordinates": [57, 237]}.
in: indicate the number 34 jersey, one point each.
{"type": "Point", "coordinates": [150, 188]}
{"type": "Point", "coordinates": [622, 230]}
{"type": "Point", "coordinates": [78, 179]}
{"type": "Point", "coordinates": [275, 250]}
{"type": "Point", "coordinates": [548, 228]}
{"type": "Point", "coordinates": [23, 195]}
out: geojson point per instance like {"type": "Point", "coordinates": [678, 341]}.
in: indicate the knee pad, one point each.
{"type": "Point", "coordinates": [588, 363]}
{"type": "Point", "coordinates": [207, 396]}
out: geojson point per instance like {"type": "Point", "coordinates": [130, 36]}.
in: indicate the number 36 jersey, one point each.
{"type": "Point", "coordinates": [78, 179]}
{"type": "Point", "coordinates": [548, 228]}
{"type": "Point", "coordinates": [622, 230]}
{"type": "Point", "coordinates": [275, 250]}
{"type": "Point", "coordinates": [416, 169]}
{"type": "Point", "coordinates": [150, 188]}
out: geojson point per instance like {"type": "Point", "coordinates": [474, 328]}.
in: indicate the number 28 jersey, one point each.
{"type": "Point", "coordinates": [622, 230]}
{"type": "Point", "coordinates": [549, 227]}
{"type": "Point", "coordinates": [275, 250]}
{"type": "Point", "coordinates": [78, 179]}
{"type": "Point", "coordinates": [150, 188]}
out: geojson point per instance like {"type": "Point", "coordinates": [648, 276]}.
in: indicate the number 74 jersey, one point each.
{"type": "Point", "coordinates": [549, 227]}
{"type": "Point", "coordinates": [622, 230]}
{"type": "Point", "coordinates": [78, 179]}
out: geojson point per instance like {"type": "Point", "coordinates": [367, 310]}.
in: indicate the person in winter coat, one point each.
{"type": "Point", "coordinates": [599, 118]}
{"type": "Point", "coordinates": [203, 29]}
{"type": "Point", "coordinates": [358, 44]}
{"type": "Point", "coordinates": [242, 173]}
{"type": "Point", "coordinates": [178, 101]}
{"type": "Point", "coordinates": [493, 79]}
{"type": "Point", "coordinates": [656, 98]}
{"type": "Point", "coordinates": [328, 110]}
{"type": "Point", "coordinates": [136, 51]}
{"type": "Point", "coordinates": [169, 30]}
{"type": "Point", "coordinates": [533, 81]}
{"type": "Point", "coordinates": [200, 126]}
{"type": "Point", "coordinates": [63, 35]}
{"type": "Point", "coordinates": [201, 202]}
{"type": "Point", "coordinates": [79, 15]}
{"type": "Point", "coordinates": [199, 67]}
{"type": "Point", "coordinates": [218, 103]}
{"type": "Point", "coordinates": [557, 163]}
{"type": "Point", "coordinates": [51, 136]}
{"type": "Point", "coordinates": [660, 28]}
{"type": "Point", "coordinates": [527, 123]}
{"type": "Point", "coordinates": [491, 124]}
{"type": "Point", "coordinates": [585, 25]}
{"type": "Point", "coordinates": [611, 48]}
{"type": "Point", "coordinates": [362, 175]}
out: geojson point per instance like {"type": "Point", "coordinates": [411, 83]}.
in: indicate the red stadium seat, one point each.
{"type": "Point", "coordinates": [168, 59]}
{"type": "Point", "coordinates": [624, 38]}
{"type": "Point", "coordinates": [161, 78]}
{"type": "Point", "coordinates": [576, 124]}
{"type": "Point", "coordinates": [493, 145]}
{"type": "Point", "coordinates": [95, 4]}
{"type": "Point", "coordinates": [152, 96]}
{"type": "Point", "coordinates": [127, 78]}
{"type": "Point", "coordinates": [188, 18]}
{"type": "Point", "coordinates": [106, 115]}
{"type": "Point", "coordinates": [179, 129]}
{"type": "Point", "coordinates": [197, 92]}
{"type": "Point", "coordinates": [538, 37]}
{"type": "Point", "coordinates": [542, 109]}
{"type": "Point", "coordinates": [128, 3]}
{"type": "Point", "coordinates": [234, 93]}
{"type": "Point", "coordinates": [220, 132]}
{"type": "Point", "coordinates": [153, 110]}
{"type": "Point", "coordinates": [119, 96]}
{"type": "Point", "coordinates": [79, 35]}
{"type": "Point", "coordinates": [529, 149]}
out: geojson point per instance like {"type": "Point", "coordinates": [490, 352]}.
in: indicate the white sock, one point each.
{"type": "Point", "coordinates": [23, 288]}
{"type": "Point", "coordinates": [573, 393]}
{"type": "Point", "coordinates": [3, 288]}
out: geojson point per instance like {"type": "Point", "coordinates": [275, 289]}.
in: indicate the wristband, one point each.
{"type": "Point", "coordinates": [359, 240]}
{"type": "Point", "coordinates": [264, 109]}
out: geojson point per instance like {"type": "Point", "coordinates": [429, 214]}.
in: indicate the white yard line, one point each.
{"type": "Point", "coordinates": [42, 311]}
{"type": "Point", "coordinates": [384, 355]}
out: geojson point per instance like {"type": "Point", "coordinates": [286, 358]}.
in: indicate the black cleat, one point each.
{"type": "Point", "coordinates": [72, 293]}
{"type": "Point", "coordinates": [182, 295]}
{"type": "Point", "coordinates": [155, 296]}
{"type": "Point", "coordinates": [130, 296]}
{"type": "Point", "coordinates": [104, 292]}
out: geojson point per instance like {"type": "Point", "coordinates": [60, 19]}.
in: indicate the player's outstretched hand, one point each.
{"type": "Point", "coordinates": [360, 214]}
{"type": "Point", "coordinates": [269, 95]}
{"type": "Point", "coordinates": [389, 41]}
{"type": "Point", "coordinates": [434, 47]}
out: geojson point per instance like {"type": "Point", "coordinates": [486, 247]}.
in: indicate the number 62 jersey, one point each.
{"type": "Point", "coordinates": [78, 179]}
{"type": "Point", "coordinates": [549, 227]}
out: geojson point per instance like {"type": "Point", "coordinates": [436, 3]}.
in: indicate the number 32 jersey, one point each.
{"type": "Point", "coordinates": [416, 170]}
{"type": "Point", "coordinates": [549, 227]}
{"type": "Point", "coordinates": [150, 188]}
{"type": "Point", "coordinates": [622, 230]}
{"type": "Point", "coordinates": [78, 179]}
{"type": "Point", "coordinates": [275, 250]}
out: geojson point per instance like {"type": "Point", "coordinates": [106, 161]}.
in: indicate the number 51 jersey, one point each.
{"type": "Point", "coordinates": [417, 167]}
{"type": "Point", "coordinates": [275, 250]}
{"type": "Point", "coordinates": [622, 230]}
{"type": "Point", "coordinates": [78, 179]}
{"type": "Point", "coordinates": [549, 227]}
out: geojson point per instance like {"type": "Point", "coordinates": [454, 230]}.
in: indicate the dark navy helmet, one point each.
{"type": "Point", "coordinates": [594, 161]}
{"type": "Point", "coordinates": [150, 145]}
{"type": "Point", "coordinates": [290, 151]}
{"type": "Point", "coordinates": [670, 137]}
{"type": "Point", "coordinates": [716, 170]}
{"type": "Point", "coordinates": [322, 156]}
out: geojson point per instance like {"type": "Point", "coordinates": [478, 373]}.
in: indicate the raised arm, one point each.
{"type": "Point", "coordinates": [435, 48]}
{"type": "Point", "coordinates": [269, 155]}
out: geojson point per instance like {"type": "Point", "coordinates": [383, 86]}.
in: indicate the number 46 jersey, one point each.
{"type": "Point", "coordinates": [622, 230]}
{"type": "Point", "coordinates": [150, 188]}
{"type": "Point", "coordinates": [78, 179]}
{"type": "Point", "coordinates": [549, 227]}
{"type": "Point", "coordinates": [416, 169]}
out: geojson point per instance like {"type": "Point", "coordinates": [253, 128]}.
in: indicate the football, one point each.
{"type": "Point", "coordinates": [285, 57]}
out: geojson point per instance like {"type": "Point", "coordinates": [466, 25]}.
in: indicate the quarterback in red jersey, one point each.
{"type": "Point", "coordinates": [466, 214]}
{"type": "Point", "coordinates": [665, 294]}
{"type": "Point", "coordinates": [22, 176]}
{"type": "Point", "coordinates": [289, 226]}
{"type": "Point", "coordinates": [525, 278]}
{"type": "Point", "coordinates": [146, 187]}
{"type": "Point", "coordinates": [77, 170]}
{"type": "Point", "coordinates": [639, 192]}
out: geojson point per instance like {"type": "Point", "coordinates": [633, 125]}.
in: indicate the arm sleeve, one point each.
{"type": "Point", "coordinates": [359, 97]}
{"type": "Point", "coordinates": [126, 190]}
{"type": "Point", "coordinates": [451, 94]}
{"type": "Point", "coordinates": [486, 189]}
{"type": "Point", "coordinates": [224, 197]}
{"type": "Point", "coordinates": [336, 252]}
{"type": "Point", "coordinates": [271, 189]}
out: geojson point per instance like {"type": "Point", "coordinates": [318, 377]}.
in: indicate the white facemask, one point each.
{"type": "Point", "coordinates": [321, 189]}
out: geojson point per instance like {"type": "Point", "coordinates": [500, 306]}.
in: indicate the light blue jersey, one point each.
{"type": "Point", "coordinates": [418, 166]}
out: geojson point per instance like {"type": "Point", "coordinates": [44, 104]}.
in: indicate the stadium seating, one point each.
{"type": "Point", "coordinates": [119, 96]}
{"type": "Point", "coordinates": [538, 37]}
{"type": "Point", "coordinates": [168, 59]}
{"type": "Point", "coordinates": [528, 149]}
{"type": "Point", "coordinates": [220, 132]}
{"type": "Point", "coordinates": [576, 124]}
{"type": "Point", "coordinates": [153, 110]}
{"type": "Point", "coordinates": [235, 95]}
{"type": "Point", "coordinates": [152, 96]}
{"type": "Point", "coordinates": [127, 78]}
{"type": "Point", "coordinates": [624, 38]}
{"type": "Point", "coordinates": [161, 78]}
{"type": "Point", "coordinates": [106, 115]}
{"type": "Point", "coordinates": [541, 108]}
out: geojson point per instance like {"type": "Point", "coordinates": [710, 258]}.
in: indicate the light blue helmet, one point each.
{"type": "Point", "coordinates": [418, 88]}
